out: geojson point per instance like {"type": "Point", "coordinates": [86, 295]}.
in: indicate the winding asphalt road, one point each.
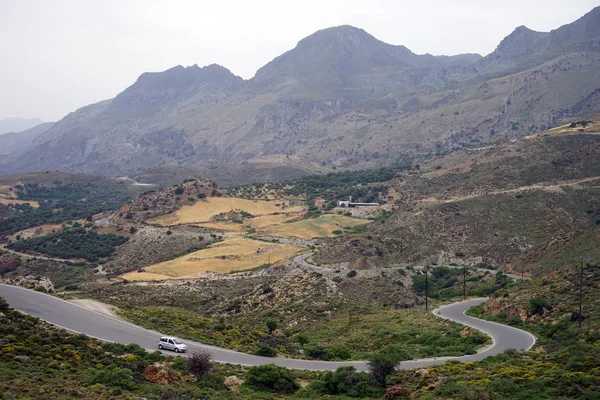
{"type": "Point", "coordinates": [78, 319]}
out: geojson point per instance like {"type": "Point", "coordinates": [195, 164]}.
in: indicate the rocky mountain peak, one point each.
{"type": "Point", "coordinates": [155, 90]}
{"type": "Point", "coordinates": [519, 42]}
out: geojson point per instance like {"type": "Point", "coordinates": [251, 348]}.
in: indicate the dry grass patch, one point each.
{"type": "Point", "coordinates": [223, 226]}
{"type": "Point", "coordinates": [322, 226]}
{"type": "Point", "coordinates": [8, 197]}
{"type": "Point", "coordinates": [39, 231]}
{"type": "Point", "coordinates": [204, 211]}
{"type": "Point", "coordinates": [233, 254]}
{"type": "Point", "coordinates": [144, 276]}
{"type": "Point", "coordinates": [5, 201]}
{"type": "Point", "coordinates": [269, 220]}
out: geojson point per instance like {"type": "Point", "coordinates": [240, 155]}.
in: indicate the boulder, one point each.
{"type": "Point", "coordinates": [233, 383]}
{"type": "Point", "coordinates": [158, 373]}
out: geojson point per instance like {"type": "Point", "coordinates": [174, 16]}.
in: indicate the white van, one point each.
{"type": "Point", "coordinates": [172, 343]}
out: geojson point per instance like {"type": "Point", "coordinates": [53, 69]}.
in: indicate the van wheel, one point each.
{"type": "Point", "coordinates": [176, 350]}
{"type": "Point", "coordinates": [160, 347]}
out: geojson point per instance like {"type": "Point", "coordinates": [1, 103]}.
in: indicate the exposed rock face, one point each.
{"type": "Point", "coordinates": [159, 373]}
{"type": "Point", "coordinates": [41, 284]}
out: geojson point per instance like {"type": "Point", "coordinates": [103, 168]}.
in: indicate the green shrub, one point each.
{"type": "Point", "coordinates": [272, 378]}
{"type": "Point", "coordinates": [346, 381]}
{"type": "Point", "coordinates": [266, 351]}
{"type": "Point", "coordinates": [271, 325]}
{"type": "Point", "coordinates": [112, 376]}
{"type": "Point", "coordinates": [537, 305]}
{"type": "Point", "coordinates": [317, 352]}
{"type": "Point", "coordinates": [302, 339]}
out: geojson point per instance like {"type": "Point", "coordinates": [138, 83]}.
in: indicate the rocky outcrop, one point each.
{"type": "Point", "coordinates": [233, 383]}
{"type": "Point", "coordinates": [37, 283]}
{"type": "Point", "coordinates": [155, 203]}
{"type": "Point", "coordinates": [159, 373]}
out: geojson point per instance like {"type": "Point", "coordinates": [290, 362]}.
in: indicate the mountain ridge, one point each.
{"type": "Point", "coordinates": [339, 99]}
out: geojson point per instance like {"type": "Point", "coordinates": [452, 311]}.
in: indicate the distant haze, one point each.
{"type": "Point", "coordinates": [17, 124]}
{"type": "Point", "coordinates": [61, 55]}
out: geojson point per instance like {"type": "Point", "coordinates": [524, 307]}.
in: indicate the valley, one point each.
{"type": "Point", "coordinates": [354, 221]}
{"type": "Point", "coordinates": [279, 270]}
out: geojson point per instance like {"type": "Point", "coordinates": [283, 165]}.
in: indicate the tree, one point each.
{"type": "Point", "coordinates": [380, 366]}
{"type": "Point", "coordinates": [199, 363]}
{"type": "Point", "coordinates": [271, 325]}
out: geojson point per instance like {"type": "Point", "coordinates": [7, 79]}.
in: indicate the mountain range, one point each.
{"type": "Point", "coordinates": [339, 99]}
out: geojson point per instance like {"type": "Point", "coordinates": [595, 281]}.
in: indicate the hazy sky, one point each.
{"type": "Point", "coordinates": [59, 55]}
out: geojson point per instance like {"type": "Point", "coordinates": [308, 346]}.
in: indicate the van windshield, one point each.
{"type": "Point", "coordinates": [177, 341]}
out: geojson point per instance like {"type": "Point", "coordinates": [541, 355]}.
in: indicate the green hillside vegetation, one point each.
{"type": "Point", "coordinates": [76, 242]}
{"type": "Point", "coordinates": [62, 197]}
{"type": "Point", "coordinates": [38, 361]}
{"type": "Point", "coordinates": [362, 185]}
{"type": "Point", "coordinates": [369, 314]}
{"type": "Point", "coordinates": [564, 364]}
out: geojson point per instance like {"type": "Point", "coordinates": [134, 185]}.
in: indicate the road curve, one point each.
{"type": "Point", "coordinates": [78, 319]}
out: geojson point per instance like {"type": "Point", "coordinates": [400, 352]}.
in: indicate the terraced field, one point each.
{"type": "Point", "coordinates": [206, 211]}
{"type": "Point", "coordinates": [322, 226]}
{"type": "Point", "coordinates": [232, 254]}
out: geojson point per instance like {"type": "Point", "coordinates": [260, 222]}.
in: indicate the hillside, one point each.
{"type": "Point", "coordinates": [339, 99]}
{"type": "Point", "coordinates": [530, 204]}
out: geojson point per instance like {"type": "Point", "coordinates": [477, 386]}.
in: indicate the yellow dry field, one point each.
{"type": "Point", "coordinates": [223, 226]}
{"type": "Point", "coordinates": [144, 276]}
{"type": "Point", "coordinates": [269, 220]}
{"type": "Point", "coordinates": [232, 254]}
{"type": "Point", "coordinates": [7, 197]}
{"type": "Point", "coordinates": [322, 226]}
{"type": "Point", "coordinates": [40, 230]}
{"type": "Point", "coordinates": [203, 211]}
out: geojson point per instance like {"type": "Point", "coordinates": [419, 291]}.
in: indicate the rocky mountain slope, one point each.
{"type": "Point", "coordinates": [340, 98]}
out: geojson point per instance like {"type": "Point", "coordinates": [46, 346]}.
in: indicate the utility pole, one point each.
{"type": "Point", "coordinates": [580, 292]}
{"type": "Point", "coordinates": [465, 282]}
{"type": "Point", "coordinates": [426, 287]}
{"type": "Point", "coordinates": [522, 273]}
